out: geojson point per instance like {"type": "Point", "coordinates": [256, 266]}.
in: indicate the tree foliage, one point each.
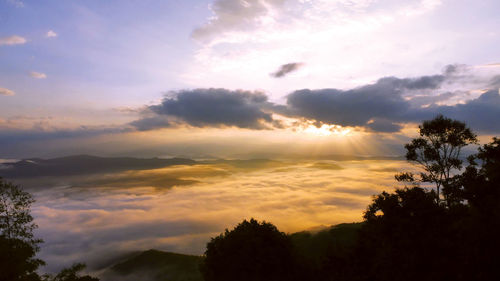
{"type": "Point", "coordinates": [71, 274]}
{"type": "Point", "coordinates": [400, 237]}
{"type": "Point", "coordinates": [16, 221]}
{"type": "Point", "coordinates": [18, 246]}
{"type": "Point", "coordinates": [252, 251]}
{"type": "Point", "coordinates": [437, 151]}
{"type": "Point", "coordinates": [408, 237]}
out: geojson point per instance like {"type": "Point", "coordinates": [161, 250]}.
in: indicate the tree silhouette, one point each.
{"type": "Point", "coordinates": [437, 151]}
{"type": "Point", "coordinates": [406, 236]}
{"type": "Point", "coordinates": [399, 236]}
{"type": "Point", "coordinates": [16, 221]}
{"type": "Point", "coordinates": [18, 245]}
{"type": "Point", "coordinates": [481, 229]}
{"type": "Point", "coordinates": [71, 274]}
{"type": "Point", "coordinates": [252, 251]}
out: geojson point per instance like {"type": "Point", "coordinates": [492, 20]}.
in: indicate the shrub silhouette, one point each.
{"type": "Point", "coordinates": [252, 251]}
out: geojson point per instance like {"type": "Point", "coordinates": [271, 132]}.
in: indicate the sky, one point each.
{"type": "Point", "coordinates": [225, 77]}
{"type": "Point", "coordinates": [289, 80]}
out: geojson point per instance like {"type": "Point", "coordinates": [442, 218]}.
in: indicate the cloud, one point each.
{"type": "Point", "coordinates": [6, 92]}
{"type": "Point", "coordinates": [12, 40]}
{"type": "Point", "coordinates": [38, 75]}
{"type": "Point", "coordinates": [384, 105]}
{"type": "Point", "coordinates": [211, 108]}
{"type": "Point", "coordinates": [425, 100]}
{"type": "Point", "coordinates": [51, 33]}
{"type": "Point", "coordinates": [353, 107]}
{"type": "Point", "coordinates": [151, 123]}
{"type": "Point", "coordinates": [239, 17]}
{"type": "Point", "coordinates": [481, 114]}
{"type": "Point", "coordinates": [383, 126]}
{"type": "Point", "coordinates": [95, 223]}
{"type": "Point", "coordinates": [286, 68]}
{"type": "Point", "coordinates": [230, 15]}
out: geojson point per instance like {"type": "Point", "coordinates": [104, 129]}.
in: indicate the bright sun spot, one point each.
{"type": "Point", "coordinates": [326, 130]}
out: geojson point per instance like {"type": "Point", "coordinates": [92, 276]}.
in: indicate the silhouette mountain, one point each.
{"type": "Point", "coordinates": [83, 164]}
{"type": "Point", "coordinates": [154, 265]}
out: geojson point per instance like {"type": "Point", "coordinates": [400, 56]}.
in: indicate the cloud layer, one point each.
{"type": "Point", "coordinates": [384, 106]}
{"type": "Point", "coordinates": [95, 223]}
{"type": "Point", "coordinates": [387, 105]}
{"type": "Point", "coordinates": [12, 40]}
{"type": "Point", "coordinates": [6, 92]}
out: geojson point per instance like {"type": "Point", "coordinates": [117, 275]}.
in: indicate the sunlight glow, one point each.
{"type": "Point", "coordinates": [327, 130]}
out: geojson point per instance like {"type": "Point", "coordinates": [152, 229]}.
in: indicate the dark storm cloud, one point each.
{"type": "Point", "coordinates": [150, 123]}
{"type": "Point", "coordinates": [381, 106]}
{"type": "Point", "coordinates": [422, 100]}
{"type": "Point", "coordinates": [420, 83]}
{"type": "Point", "coordinates": [357, 106]}
{"type": "Point", "coordinates": [286, 68]}
{"type": "Point", "coordinates": [217, 108]}
{"type": "Point", "coordinates": [453, 69]}
{"type": "Point", "coordinates": [389, 102]}
{"type": "Point", "coordinates": [384, 126]}
{"type": "Point", "coordinates": [481, 114]}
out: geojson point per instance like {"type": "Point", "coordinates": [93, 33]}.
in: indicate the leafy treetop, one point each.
{"type": "Point", "coordinates": [437, 151]}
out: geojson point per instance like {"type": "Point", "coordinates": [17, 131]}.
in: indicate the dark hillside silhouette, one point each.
{"type": "Point", "coordinates": [157, 266]}
{"type": "Point", "coordinates": [84, 164]}
{"type": "Point", "coordinates": [325, 255]}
